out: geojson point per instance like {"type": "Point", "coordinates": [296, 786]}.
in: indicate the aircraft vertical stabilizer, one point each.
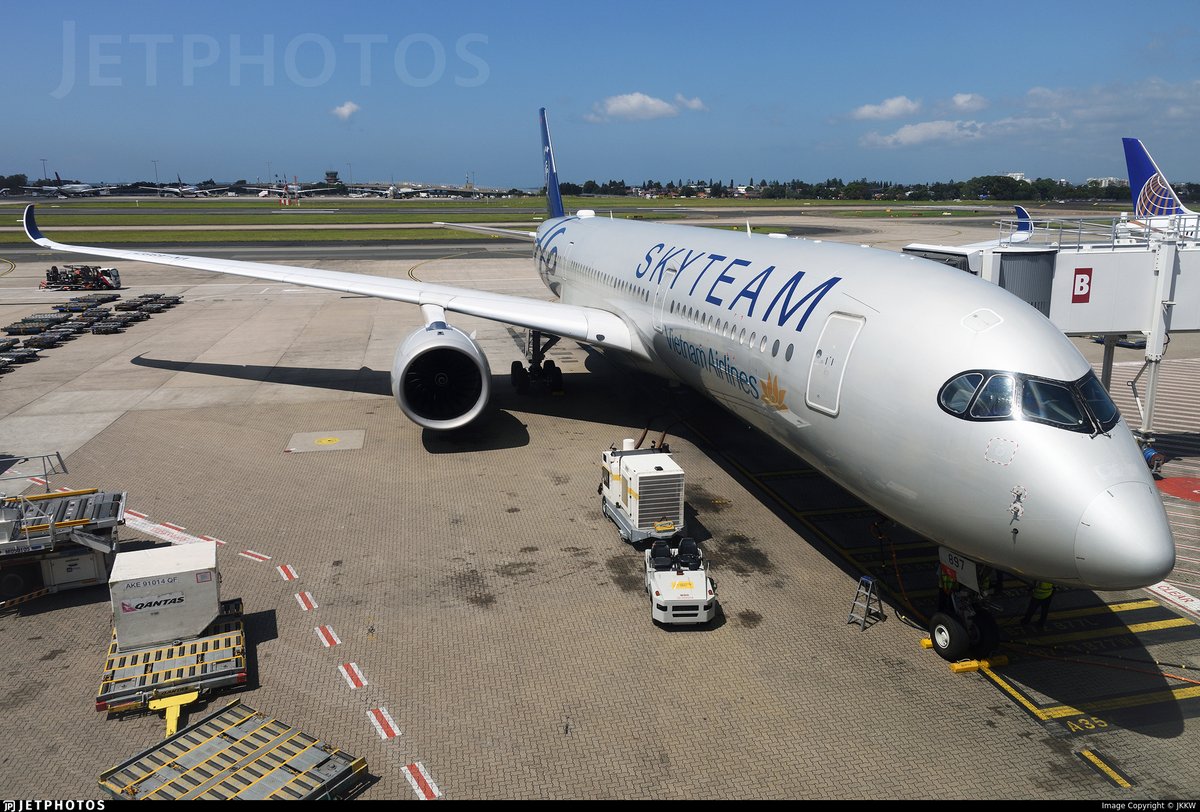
{"type": "Point", "coordinates": [554, 204]}
{"type": "Point", "coordinates": [1152, 194]}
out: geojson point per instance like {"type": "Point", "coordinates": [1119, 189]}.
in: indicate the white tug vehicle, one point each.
{"type": "Point", "coordinates": [677, 583]}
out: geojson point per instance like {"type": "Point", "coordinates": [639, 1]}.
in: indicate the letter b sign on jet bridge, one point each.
{"type": "Point", "coordinates": [1081, 288]}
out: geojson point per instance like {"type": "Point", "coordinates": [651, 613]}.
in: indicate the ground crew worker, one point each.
{"type": "Point", "coordinates": [946, 583]}
{"type": "Point", "coordinates": [1039, 597]}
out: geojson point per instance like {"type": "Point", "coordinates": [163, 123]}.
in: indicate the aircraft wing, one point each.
{"type": "Point", "coordinates": [528, 236]}
{"type": "Point", "coordinates": [587, 324]}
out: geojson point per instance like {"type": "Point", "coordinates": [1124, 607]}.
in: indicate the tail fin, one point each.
{"type": "Point", "coordinates": [554, 204]}
{"type": "Point", "coordinates": [1024, 228]}
{"type": "Point", "coordinates": [1152, 195]}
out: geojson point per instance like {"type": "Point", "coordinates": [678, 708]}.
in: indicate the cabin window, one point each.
{"type": "Point", "coordinates": [775, 348]}
{"type": "Point", "coordinates": [787, 356]}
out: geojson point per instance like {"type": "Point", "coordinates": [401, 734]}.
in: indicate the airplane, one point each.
{"type": "Point", "coordinates": [1154, 201]}
{"type": "Point", "coordinates": [185, 190]}
{"type": "Point", "coordinates": [941, 400]}
{"type": "Point", "coordinates": [68, 189]}
{"type": "Point", "coordinates": [288, 190]}
{"type": "Point", "coordinates": [970, 257]}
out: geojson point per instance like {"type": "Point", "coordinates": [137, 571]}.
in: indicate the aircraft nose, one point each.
{"type": "Point", "coordinates": [1124, 540]}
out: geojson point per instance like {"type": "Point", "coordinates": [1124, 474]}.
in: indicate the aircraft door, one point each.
{"type": "Point", "coordinates": [660, 297]}
{"type": "Point", "coordinates": [829, 362]}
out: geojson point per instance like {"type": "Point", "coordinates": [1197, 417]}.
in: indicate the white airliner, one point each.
{"type": "Point", "coordinates": [69, 189]}
{"type": "Point", "coordinates": [185, 190]}
{"type": "Point", "coordinates": [288, 190]}
{"type": "Point", "coordinates": [942, 400]}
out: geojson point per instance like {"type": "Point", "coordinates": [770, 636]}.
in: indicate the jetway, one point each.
{"type": "Point", "coordinates": [1105, 279]}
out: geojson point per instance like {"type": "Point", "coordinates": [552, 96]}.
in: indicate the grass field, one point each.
{"type": "Point", "coordinates": [151, 221]}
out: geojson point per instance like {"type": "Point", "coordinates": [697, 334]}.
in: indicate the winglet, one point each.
{"type": "Point", "coordinates": [31, 227]}
{"type": "Point", "coordinates": [1152, 195]}
{"type": "Point", "coordinates": [554, 204]}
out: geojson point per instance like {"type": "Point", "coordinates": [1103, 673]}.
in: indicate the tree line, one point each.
{"type": "Point", "coordinates": [999, 187]}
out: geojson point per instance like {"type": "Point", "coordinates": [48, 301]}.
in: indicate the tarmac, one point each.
{"type": "Point", "coordinates": [496, 615]}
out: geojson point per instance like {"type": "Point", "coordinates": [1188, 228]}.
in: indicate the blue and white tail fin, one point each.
{"type": "Point", "coordinates": [1151, 193]}
{"type": "Point", "coordinates": [554, 204]}
{"type": "Point", "coordinates": [1024, 229]}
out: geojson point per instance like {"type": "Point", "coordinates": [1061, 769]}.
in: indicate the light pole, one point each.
{"type": "Point", "coordinates": [44, 168]}
{"type": "Point", "coordinates": [155, 162]}
{"type": "Point", "coordinates": [351, 168]}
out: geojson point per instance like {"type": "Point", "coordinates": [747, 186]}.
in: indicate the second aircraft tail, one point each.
{"type": "Point", "coordinates": [1152, 194]}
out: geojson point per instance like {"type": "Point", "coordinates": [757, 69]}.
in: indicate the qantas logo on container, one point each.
{"type": "Point", "coordinates": [157, 602]}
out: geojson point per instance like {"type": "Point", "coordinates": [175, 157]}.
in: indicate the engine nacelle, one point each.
{"type": "Point", "coordinates": [440, 377]}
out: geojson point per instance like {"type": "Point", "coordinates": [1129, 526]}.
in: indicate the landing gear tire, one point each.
{"type": "Point", "coordinates": [985, 635]}
{"type": "Point", "coordinates": [556, 380]}
{"type": "Point", "coordinates": [949, 637]}
{"type": "Point", "coordinates": [514, 372]}
{"type": "Point", "coordinates": [520, 378]}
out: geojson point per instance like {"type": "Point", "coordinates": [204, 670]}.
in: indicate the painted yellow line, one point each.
{"type": "Point", "coordinates": [1092, 758]}
{"type": "Point", "coordinates": [1134, 628]}
{"type": "Point", "coordinates": [1121, 703]}
{"type": "Point", "coordinates": [1016, 695]}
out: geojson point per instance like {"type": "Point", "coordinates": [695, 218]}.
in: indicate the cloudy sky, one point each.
{"type": "Point", "coordinates": [438, 92]}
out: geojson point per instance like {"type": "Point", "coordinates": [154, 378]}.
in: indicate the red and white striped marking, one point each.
{"type": "Point", "coordinates": [305, 599]}
{"type": "Point", "coordinates": [287, 572]}
{"type": "Point", "coordinates": [383, 722]}
{"type": "Point", "coordinates": [217, 542]}
{"type": "Point", "coordinates": [166, 531]}
{"type": "Point", "coordinates": [328, 636]}
{"type": "Point", "coordinates": [253, 556]}
{"type": "Point", "coordinates": [353, 675]}
{"type": "Point", "coordinates": [422, 784]}
{"type": "Point", "coordinates": [65, 489]}
{"type": "Point", "coordinates": [37, 480]}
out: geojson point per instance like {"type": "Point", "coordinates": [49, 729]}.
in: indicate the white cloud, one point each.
{"type": "Point", "coordinates": [889, 108]}
{"type": "Point", "coordinates": [968, 102]}
{"type": "Point", "coordinates": [640, 107]}
{"type": "Point", "coordinates": [344, 111]}
{"type": "Point", "coordinates": [913, 134]}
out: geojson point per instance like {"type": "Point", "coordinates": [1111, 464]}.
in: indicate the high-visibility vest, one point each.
{"type": "Point", "coordinates": [1043, 589]}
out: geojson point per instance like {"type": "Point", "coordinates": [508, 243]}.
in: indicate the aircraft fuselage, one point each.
{"type": "Point", "coordinates": [839, 352]}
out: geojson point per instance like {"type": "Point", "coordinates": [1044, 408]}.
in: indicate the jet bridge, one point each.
{"type": "Point", "coordinates": [1106, 279]}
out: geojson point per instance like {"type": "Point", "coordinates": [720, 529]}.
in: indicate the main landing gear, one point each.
{"type": "Point", "coordinates": [541, 370]}
{"type": "Point", "coordinates": [962, 626]}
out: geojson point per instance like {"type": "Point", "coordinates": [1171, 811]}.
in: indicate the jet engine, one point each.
{"type": "Point", "coordinates": [440, 377]}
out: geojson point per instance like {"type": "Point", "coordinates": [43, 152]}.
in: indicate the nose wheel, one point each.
{"type": "Point", "coordinates": [955, 638]}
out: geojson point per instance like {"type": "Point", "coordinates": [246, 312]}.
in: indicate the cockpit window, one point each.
{"type": "Point", "coordinates": [1098, 401]}
{"type": "Point", "coordinates": [1051, 402]}
{"type": "Point", "coordinates": [957, 394]}
{"type": "Point", "coordinates": [995, 399]}
{"type": "Point", "coordinates": [984, 395]}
